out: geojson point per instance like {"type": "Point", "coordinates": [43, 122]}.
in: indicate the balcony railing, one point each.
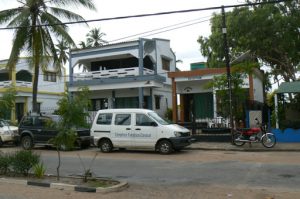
{"type": "Point", "coordinates": [6, 84]}
{"type": "Point", "coordinates": [113, 73]}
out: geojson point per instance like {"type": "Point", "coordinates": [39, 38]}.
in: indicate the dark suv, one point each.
{"type": "Point", "coordinates": [35, 129]}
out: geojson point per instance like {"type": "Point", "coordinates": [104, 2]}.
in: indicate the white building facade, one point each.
{"type": "Point", "coordinates": [51, 87]}
{"type": "Point", "coordinates": [125, 75]}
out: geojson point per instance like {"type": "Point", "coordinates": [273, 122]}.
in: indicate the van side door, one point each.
{"type": "Point", "coordinates": [144, 131]}
{"type": "Point", "coordinates": [102, 127]}
{"type": "Point", "coordinates": [122, 129]}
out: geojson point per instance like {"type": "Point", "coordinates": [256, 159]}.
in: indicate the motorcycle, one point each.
{"type": "Point", "coordinates": [252, 135]}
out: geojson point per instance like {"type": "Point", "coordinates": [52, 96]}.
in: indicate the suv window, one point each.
{"type": "Point", "coordinates": [123, 119]}
{"type": "Point", "coordinates": [104, 118]}
{"type": "Point", "coordinates": [27, 121]}
{"type": "Point", "coordinates": [143, 120]}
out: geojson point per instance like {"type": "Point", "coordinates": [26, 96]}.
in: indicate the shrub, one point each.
{"type": "Point", "coordinates": [169, 114]}
{"type": "Point", "coordinates": [23, 161]}
{"type": "Point", "coordinates": [5, 162]}
{"type": "Point", "coordinates": [289, 124]}
{"type": "Point", "coordinates": [39, 170]}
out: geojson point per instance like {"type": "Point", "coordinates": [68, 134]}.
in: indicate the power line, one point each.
{"type": "Point", "coordinates": [149, 14]}
{"type": "Point", "coordinates": [161, 28]}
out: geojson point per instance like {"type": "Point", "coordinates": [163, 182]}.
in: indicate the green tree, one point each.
{"type": "Point", "coordinates": [73, 112]}
{"type": "Point", "coordinates": [34, 38]}
{"type": "Point", "coordinates": [94, 38]}
{"type": "Point", "coordinates": [7, 102]}
{"type": "Point", "coordinates": [239, 94]}
{"type": "Point", "coordinates": [269, 32]}
{"type": "Point", "coordinates": [62, 50]}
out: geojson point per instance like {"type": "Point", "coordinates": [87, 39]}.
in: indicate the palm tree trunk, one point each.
{"type": "Point", "coordinates": [35, 87]}
{"type": "Point", "coordinates": [58, 166]}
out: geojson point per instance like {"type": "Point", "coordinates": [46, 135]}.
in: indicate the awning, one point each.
{"type": "Point", "coordinates": [289, 87]}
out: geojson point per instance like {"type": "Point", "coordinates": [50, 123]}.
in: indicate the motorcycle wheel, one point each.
{"type": "Point", "coordinates": [236, 142]}
{"type": "Point", "coordinates": [269, 140]}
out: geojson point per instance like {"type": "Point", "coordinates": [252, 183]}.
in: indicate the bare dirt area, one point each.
{"type": "Point", "coordinates": [8, 191]}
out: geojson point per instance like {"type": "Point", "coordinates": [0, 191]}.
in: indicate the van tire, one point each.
{"type": "Point", "coordinates": [165, 147]}
{"type": "Point", "coordinates": [105, 146]}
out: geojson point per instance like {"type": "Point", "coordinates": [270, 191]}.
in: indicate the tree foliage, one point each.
{"type": "Point", "coordinates": [35, 39]}
{"type": "Point", "coordinates": [269, 32]}
{"type": "Point", "coordinates": [7, 102]}
{"type": "Point", "coordinates": [73, 112]}
{"type": "Point", "coordinates": [94, 38]}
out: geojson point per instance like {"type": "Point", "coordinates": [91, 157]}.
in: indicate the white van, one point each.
{"type": "Point", "coordinates": [137, 128]}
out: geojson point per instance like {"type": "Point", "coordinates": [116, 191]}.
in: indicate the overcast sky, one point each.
{"type": "Point", "coordinates": [183, 40]}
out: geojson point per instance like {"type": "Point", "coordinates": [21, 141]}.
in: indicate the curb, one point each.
{"type": "Point", "coordinates": [62, 186]}
{"type": "Point", "coordinates": [243, 149]}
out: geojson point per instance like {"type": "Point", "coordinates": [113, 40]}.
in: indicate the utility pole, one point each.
{"type": "Point", "coordinates": [224, 31]}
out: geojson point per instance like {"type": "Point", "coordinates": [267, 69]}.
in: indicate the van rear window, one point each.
{"type": "Point", "coordinates": [104, 118]}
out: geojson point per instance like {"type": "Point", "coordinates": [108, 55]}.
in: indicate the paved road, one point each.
{"type": "Point", "coordinates": [266, 169]}
{"type": "Point", "coordinates": [189, 174]}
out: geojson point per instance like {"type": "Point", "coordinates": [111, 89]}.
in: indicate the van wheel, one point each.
{"type": "Point", "coordinates": [105, 146]}
{"type": "Point", "coordinates": [26, 142]}
{"type": "Point", "coordinates": [165, 147]}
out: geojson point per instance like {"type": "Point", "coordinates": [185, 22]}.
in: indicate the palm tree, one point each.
{"type": "Point", "coordinates": [62, 51]}
{"type": "Point", "coordinates": [94, 38]}
{"type": "Point", "coordinates": [34, 32]}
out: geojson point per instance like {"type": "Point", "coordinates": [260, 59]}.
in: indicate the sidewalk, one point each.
{"type": "Point", "coordinates": [226, 146]}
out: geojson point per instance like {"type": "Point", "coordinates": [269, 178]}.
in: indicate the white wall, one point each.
{"type": "Point", "coordinates": [163, 50]}
{"type": "Point", "coordinates": [258, 89]}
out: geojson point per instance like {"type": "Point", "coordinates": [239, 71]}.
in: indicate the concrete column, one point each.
{"type": "Point", "coordinates": [113, 97]}
{"type": "Point", "coordinates": [151, 99]}
{"type": "Point", "coordinates": [141, 57]}
{"type": "Point", "coordinates": [141, 97]}
{"type": "Point", "coordinates": [215, 103]}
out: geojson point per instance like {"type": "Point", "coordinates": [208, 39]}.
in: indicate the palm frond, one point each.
{"type": "Point", "coordinates": [85, 3]}
{"type": "Point", "coordinates": [59, 12]}
{"type": "Point", "coordinates": [7, 15]}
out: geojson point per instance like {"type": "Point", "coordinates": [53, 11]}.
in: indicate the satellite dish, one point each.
{"type": "Point", "coordinates": [149, 47]}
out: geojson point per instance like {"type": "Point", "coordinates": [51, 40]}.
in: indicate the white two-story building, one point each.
{"type": "Point", "coordinates": [50, 88]}
{"type": "Point", "coordinates": [125, 75]}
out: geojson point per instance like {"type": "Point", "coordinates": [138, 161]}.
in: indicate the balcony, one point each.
{"type": "Point", "coordinates": [6, 84]}
{"type": "Point", "coordinates": [113, 73]}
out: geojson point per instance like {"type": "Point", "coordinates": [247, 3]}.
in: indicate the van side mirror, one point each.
{"type": "Point", "coordinates": [153, 124]}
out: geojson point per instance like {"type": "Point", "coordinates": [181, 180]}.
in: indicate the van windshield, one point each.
{"type": "Point", "coordinates": [157, 118]}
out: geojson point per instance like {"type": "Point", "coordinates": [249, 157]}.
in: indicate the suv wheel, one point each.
{"type": "Point", "coordinates": [26, 142]}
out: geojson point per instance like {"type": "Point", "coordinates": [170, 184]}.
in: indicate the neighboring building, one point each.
{"type": "Point", "coordinates": [50, 87]}
{"type": "Point", "coordinates": [197, 100]}
{"type": "Point", "coordinates": [125, 75]}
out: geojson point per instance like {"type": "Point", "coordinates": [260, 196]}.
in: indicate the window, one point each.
{"type": "Point", "coordinates": [157, 101]}
{"type": "Point", "coordinates": [98, 104]}
{"type": "Point", "coordinates": [104, 118]}
{"type": "Point", "coordinates": [28, 121]}
{"type": "Point", "coordinates": [143, 120]}
{"type": "Point", "coordinates": [165, 64]}
{"type": "Point", "coordinates": [123, 119]}
{"type": "Point", "coordinates": [49, 77]}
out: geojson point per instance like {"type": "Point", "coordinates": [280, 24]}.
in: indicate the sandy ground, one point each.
{"type": "Point", "coordinates": [9, 191]}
